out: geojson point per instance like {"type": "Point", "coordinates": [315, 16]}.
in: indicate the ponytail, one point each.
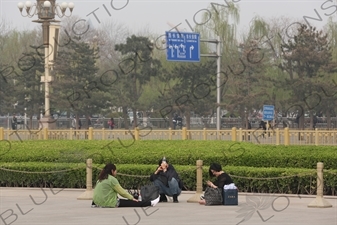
{"type": "Point", "coordinates": [106, 171]}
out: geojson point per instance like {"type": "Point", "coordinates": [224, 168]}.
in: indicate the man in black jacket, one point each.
{"type": "Point", "coordinates": [168, 181]}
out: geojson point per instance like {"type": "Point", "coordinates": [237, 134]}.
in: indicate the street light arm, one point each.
{"type": "Point", "coordinates": [31, 9]}
{"type": "Point", "coordinates": [60, 10]}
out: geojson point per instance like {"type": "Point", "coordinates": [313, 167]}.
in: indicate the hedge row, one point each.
{"type": "Point", "coordinates": [294, 181]}
{"type": "Point", "coordinates": [178, 152]}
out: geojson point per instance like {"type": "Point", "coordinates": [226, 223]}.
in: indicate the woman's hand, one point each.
{"type": "Point", "coordinates": [135, 200]}
{"type": "Point", "coordinates": [158, 170]}
{"type": "Point", "coordinates": [209, 183]}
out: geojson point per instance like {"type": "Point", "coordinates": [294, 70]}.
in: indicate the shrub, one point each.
{"type": "Point", "coordinates": [267, 180]}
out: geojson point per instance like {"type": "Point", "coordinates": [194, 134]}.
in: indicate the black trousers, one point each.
{"type": "Point", "coordinates": [130, 203]}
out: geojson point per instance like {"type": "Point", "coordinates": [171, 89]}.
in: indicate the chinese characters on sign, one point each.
{"type": "Point", "coordinates": [268, 112]}
{"type": "Point", "coordinates": [183, 46]}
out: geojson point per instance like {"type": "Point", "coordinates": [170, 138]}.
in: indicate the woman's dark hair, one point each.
{"type": "Point", "coordinates": [106, 171]}
{"type": "Point", "coordinates": [161, 160]}
{"type": "Point", "coordinates": [214, 166]}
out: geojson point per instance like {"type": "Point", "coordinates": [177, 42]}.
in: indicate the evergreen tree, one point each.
{"type": "Point", "coordinates": [77, 85]}
{"type": "Point", "coordinates": [137, 68]}
{"type": "Point", "coordinates": [307, 59]}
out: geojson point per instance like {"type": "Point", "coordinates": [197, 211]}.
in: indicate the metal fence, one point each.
{"type": "Point", "coordinates": [275, 137]}
{"type": "Point", "coordinates": [161, 123]}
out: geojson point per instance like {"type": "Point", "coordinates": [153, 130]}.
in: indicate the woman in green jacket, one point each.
{"type": "Point", "coordinates": [107, 188]}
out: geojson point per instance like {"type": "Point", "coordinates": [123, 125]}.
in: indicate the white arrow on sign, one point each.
{"type": "Point", "coordinates": [191, 48]}
{"type": "Point", "coordinates": [177, 47]}
{"type": "Point", "coordinates": [172, 51]}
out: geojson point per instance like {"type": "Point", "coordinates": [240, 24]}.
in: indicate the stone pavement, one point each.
{"type": "Point", "coordinates": [31, 206]}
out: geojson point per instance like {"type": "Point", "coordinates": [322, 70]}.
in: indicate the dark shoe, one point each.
{"type": "Point", "coordinates": [175, 198]}
{"type": "Point", "coordinates": [163, 198]}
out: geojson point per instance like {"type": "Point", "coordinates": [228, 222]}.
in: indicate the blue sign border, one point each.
{"type": "Point", "coordinates": [168, 41]}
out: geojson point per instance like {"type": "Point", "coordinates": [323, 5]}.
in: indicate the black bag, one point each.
{"type": "Point", "coordinates": [149, 192]}
{"type": "Point", "coordinates": [213, 196]}
{"type": "Point", "coordinates": [134, 193]}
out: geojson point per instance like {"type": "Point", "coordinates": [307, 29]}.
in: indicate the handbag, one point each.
{"type": "Point", "coordinates": [134, 193]}
{"type": "Point", "coordinates": [149, 192]}
{"type": "Point", "coordinates": [213, 196]}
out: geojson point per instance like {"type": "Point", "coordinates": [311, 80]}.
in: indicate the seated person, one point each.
{"type": "Point", "coordinates": [222, 179]}
{"type": "Point", "coordinates": [168, 181]}
{"type": "Point", "coordinates": [107, 188]}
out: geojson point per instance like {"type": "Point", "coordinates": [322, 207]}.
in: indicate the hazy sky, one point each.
{"type": "Point", "coordinates": [155, 14]}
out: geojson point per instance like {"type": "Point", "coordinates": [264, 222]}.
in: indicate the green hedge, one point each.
{"type": "Point", "coordinates": [301, 181]}
{"type": "Point", "coordinates": [178, 152]}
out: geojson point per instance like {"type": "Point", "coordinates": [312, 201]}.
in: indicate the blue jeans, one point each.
{"type": "Point", "coordinates": [172, 189]}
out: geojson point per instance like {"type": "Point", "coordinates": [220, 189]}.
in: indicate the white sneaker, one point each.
{"type": "Point", "coordinates": [155, 202]}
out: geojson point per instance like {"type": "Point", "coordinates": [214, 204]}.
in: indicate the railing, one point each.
{"type": "Point", "coordinates": [276, 137]}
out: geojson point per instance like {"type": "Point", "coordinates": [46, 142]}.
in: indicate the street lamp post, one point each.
{"type": "Point", "coordinates": [218, 77]}
{"type": "Point", "coordinates": [46, 11]}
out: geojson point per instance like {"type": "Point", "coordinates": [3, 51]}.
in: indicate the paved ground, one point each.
{"type": "Point", "coordinates": [43, 206]}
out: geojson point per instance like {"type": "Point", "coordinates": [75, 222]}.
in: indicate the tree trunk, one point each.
{"type": "Point", "coordinates": [31, 122]}
{"type": "Point", "coordinates": [311, 120]}
{"type": "Point", "coordinates": [301, 122]}
{"type": "Point", "coordinates": [328, 119]}
{"type": "Point", "coordinates": [134, 124]}
{"type": "Point", "coordinates": [125, 117]}
{"type": "Point", "coordinates": [188, 117]}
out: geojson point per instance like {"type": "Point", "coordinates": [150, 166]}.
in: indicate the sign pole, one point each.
{"type": "Point", "coordinates": [218, 82]}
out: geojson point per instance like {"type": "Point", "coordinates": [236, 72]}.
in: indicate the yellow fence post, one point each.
{"type": "Point", "coordinates": [286, 136]}
{"type": "Point", "coordinates": [184, 133]}
{"type": "Point", "coordinates": [2, 135]}
{"type": "Point", "coordinates": [170, 133]}
{"type": "Point", "coordinates": [240, 134]}
{"type": "Point", "coordinates": [8, 134]}
{"type": "Point", "coordinates": [234, 134]}
{"type": "Point", "coordinates": [45, 133]}
{"type": "Point", "coordinates": [103, 134]}
{"type": "Point", "coordinates": [205, 134]}
{"type": "Point", "coordinates": [316, 136]}
{"type": "Point", "coordinates": [40, 135]}
{"type": "Point", "coordinates": [196, 197]}
{"type": "Point", "coordinates": [277, 136]}
{"type": "Point", "coordinates": [136, 133]}
{"type": "Point", "coordinates": [320, 202]}
{"type": "Point", "coordinates": [90, 133]}
{"type": "Point", "coordinates": [71, 134]}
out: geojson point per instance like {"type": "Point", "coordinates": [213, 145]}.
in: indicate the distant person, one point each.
{"type": "Point", "coordinates": [297, 120]}
{"type": "Point", "coordinates": [79, 124]}
{"type": "Point", "coordinates": [263, 126]}
{"type": "Point", "coordinates": [73, 123]}
{"type": "Point", "coordinates": [111, 123]}
{"type": "Point", "coordinates": [14, 122]}
{"type": "Point", "coordinates": [315, 121]}
{"type": "Point", "coordinates": [89, 122]}
{"type": "Point", "coordinates": [249, 128]}
{"type": "Point", "coordinates": [175, 118]}
{"type": "Point", "coordinates": [108, 188]}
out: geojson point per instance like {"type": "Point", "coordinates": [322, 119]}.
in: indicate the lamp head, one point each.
{"type": "Point", "coordinates": [71, 6]}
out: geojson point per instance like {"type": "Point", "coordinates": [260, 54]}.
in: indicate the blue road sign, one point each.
{"type": "Point", "coordinates": [183, 46]}
{"type": "Point", "coordinates": [268, 112]}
